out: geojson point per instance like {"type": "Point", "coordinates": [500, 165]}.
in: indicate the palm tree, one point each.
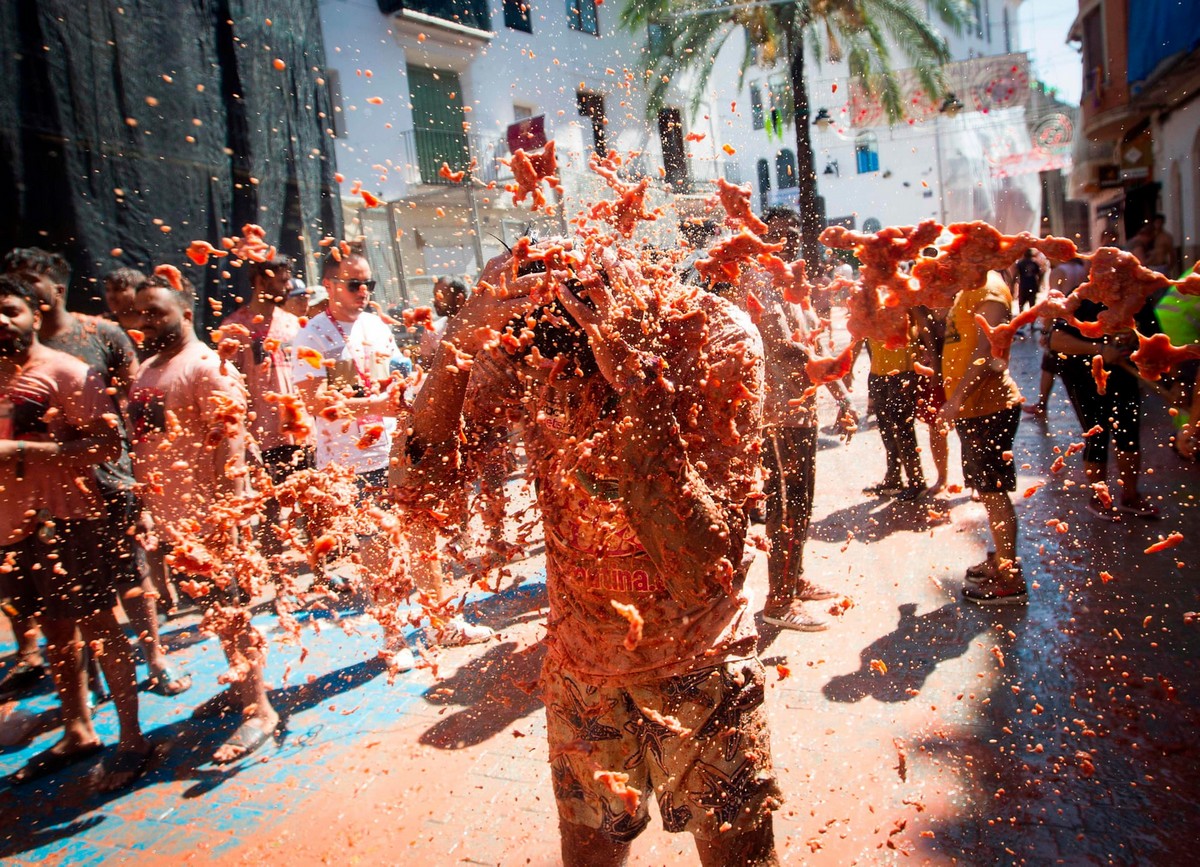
{"type": "Point", "coordinates": [862, 32]}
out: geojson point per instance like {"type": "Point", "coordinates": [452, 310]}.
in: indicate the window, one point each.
{"type": "Point", "coordinates": [1007, 32]}
{"type": "Point", "coordinates": [866, 152]}
{"type": "Point", "coordinates": [591, 105]}
{"type": "Point", "coordinates": [521, 112]}
{"type": "Point", "coordinates": [470, 13]}
{"type": "Point", "coordinates": [785, 169]}
{"type": "Point", "coordinates": [978, 15]}
{"type": "Point", "coordinates": [756, 106]}
{"type": "Point", "coordinates": [1093, 52]}
{"type": "Point", "coordinates": [763, 169]}
{"type": "Point", "coordinates": [581, 16]}
{"type": "Point", "coordinates": [516, 15]}
{"type": "Point", "coordinates": [670, 137]}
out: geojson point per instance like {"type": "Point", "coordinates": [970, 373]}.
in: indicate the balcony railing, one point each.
{"type": "Point", "coordinates": [469, 13]}
{"type": "Point", "coordinates": [425, 150]}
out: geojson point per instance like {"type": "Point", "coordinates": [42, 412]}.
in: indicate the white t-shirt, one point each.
{"type": "Point", "coordinates": [364, 352]}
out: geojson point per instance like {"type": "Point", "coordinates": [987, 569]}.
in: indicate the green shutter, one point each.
{"type": "Point", "coordinates": [437, 121]}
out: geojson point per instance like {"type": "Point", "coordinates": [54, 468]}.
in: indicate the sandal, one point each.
{"type": "Point", "coordinates": [168, 683]}
{"type": "Point", "coordinates": [883, 489]}
{"type": "Point", "coordinates": [247, 738]}
{"type": "Point", "coordinates": [51, 761]}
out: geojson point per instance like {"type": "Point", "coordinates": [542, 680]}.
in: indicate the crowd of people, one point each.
{"type": "Point", "coordinates": [650, 414]}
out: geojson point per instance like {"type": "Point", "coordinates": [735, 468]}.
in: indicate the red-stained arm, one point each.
{"type": "Point", "coordinates": [689, 514]}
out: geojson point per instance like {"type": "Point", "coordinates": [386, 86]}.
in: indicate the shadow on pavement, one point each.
{"type": "Point", "coordinates": [493, 689]}
{"type": "Point", "coordinates": [33, 814]}
{"type": "Point", "coordinates": [910, 653]}
{"type": "Point", "coordinates": [873, 519]}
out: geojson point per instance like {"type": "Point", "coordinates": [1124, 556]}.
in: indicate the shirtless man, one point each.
{"type": "Point", "coordinates": [185, 459]}
{"type": "Point", "coordinates": [105, 348]}
{"type": "Point", "coordinates": [56, 425]}
{"type": "Point", "coordinates": [642, 423]}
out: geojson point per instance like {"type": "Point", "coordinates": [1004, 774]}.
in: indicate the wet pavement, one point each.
{"type": "Point", "coordinates": [915, 729]}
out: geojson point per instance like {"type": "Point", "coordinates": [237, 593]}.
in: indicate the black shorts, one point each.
{"type": "Point", "coordinates": [1051, 363]}
{"type": "Point", "coordinates": [987, 442]}
{"type": "Point", "coordinates": [60, 571]}
{"type": "Point", "coordinates": [125, 561]}
{"type": "Point", "coordinates": [281, 461]}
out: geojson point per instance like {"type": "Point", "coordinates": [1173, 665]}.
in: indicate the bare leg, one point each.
{"type": "Point", "coordinates": [939, 447]}
{"type": "Point", "coordinates": [251, 690]}
{"type": "Point", "coordinates": [156, 567]}
{"type": "Point", "coordinates": [587, 847]}
{"type": "Point", "coordinates": [751, 846]}
{"type": "Point", "coordinates": [65, 653]}
{"type": "Point", "coordinates": [425, 561]}
{"type": "Point", "coordinates": [120, 672]}
{"type": "Point", "coordinates": [142, 610]}
{"type": "Point", "coordinates": [25, 630]}
{"type": "Point", "coordinates": [1002, 520]}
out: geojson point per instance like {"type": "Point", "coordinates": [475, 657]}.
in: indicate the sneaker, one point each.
{"type": "Point", "coordinates": [401, 660]}
{"type": "Point", "coordinates": [1140, 508]}
{"type": "Point", "coordinates": [816, 593]}
{"type": "Point", "coordinates": [991, 592]}
{"type": "Point", "coordinates": [982, 569]}
{"type": "Point", "coordinates": [798, 619]}
{"type": "Point", "coordinates": [1106, 513]}
{"type": "Point", "coordinates": [458, 633]}
{"type": "Point", "coordinates": [911, 493]}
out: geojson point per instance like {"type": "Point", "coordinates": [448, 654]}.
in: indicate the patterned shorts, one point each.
{"type": "Point", "coordinates": [710, 766]}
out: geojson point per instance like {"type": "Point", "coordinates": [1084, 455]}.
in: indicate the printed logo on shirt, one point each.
{"type": "Point", "coordinates": [616, 580]}
{"type": "Point", "coordinates": [147, 412]}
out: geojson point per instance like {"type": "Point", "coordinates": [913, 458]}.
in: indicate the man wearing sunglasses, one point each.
{"type": "Point", "coordinates": [342, 369]}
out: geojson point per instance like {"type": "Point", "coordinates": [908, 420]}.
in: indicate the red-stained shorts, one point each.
{"type": "Point", "coordinates": [715, 776]}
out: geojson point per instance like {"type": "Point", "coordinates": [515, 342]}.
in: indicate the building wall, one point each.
{"type": "Point", "coordinates": [541, 72]}
{"type": "Point", "coordinates": [908, 186]}
{"type": "Point", "coordinates": [1177, 151]}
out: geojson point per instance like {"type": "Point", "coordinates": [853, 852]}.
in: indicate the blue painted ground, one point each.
{"type": "Point", "coordinates": [336, 699]}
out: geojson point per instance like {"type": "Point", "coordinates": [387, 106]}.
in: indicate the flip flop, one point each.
{"type": "Point", "coordinates": [248, 738]}
{"type": "Point", "coordinates": [168, 683]}
{"type": "Point", "coordinates": [49, 762]}
{"type": "Point", "coordinates": [124, 762]}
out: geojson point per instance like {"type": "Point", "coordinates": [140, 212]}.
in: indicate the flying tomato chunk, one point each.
{"type": "Point", "coordinates": [171, 274]}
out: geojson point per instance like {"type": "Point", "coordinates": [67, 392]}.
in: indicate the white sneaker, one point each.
{"type": "Point", "coordinates": [458, 632]}
{"type": "Point", "coordinates": [402, 660]}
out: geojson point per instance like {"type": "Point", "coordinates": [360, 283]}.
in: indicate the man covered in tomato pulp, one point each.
{"type": "Point", "coordinates": [639, 400]}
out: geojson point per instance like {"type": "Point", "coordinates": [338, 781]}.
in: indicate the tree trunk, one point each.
{"type": "Point", "coordinates": [812, 217]}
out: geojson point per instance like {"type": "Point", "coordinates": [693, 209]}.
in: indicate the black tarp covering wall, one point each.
{"type": "Point", "coordinates": [121, 117]}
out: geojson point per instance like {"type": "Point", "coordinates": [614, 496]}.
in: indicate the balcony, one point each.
{"type": "Point", "coordinates": [423, 151]}
{"type": "Point", "coordinates": [473, 15]}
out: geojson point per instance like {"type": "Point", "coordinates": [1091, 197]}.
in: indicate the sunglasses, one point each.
{"type": "Point", "coordinates": [355, 285]}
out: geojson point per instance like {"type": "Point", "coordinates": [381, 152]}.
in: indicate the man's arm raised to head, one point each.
{"type": "Point", "coordinates": [435, 425]}
{"type": "Point", "coordinates": [688, 470]}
